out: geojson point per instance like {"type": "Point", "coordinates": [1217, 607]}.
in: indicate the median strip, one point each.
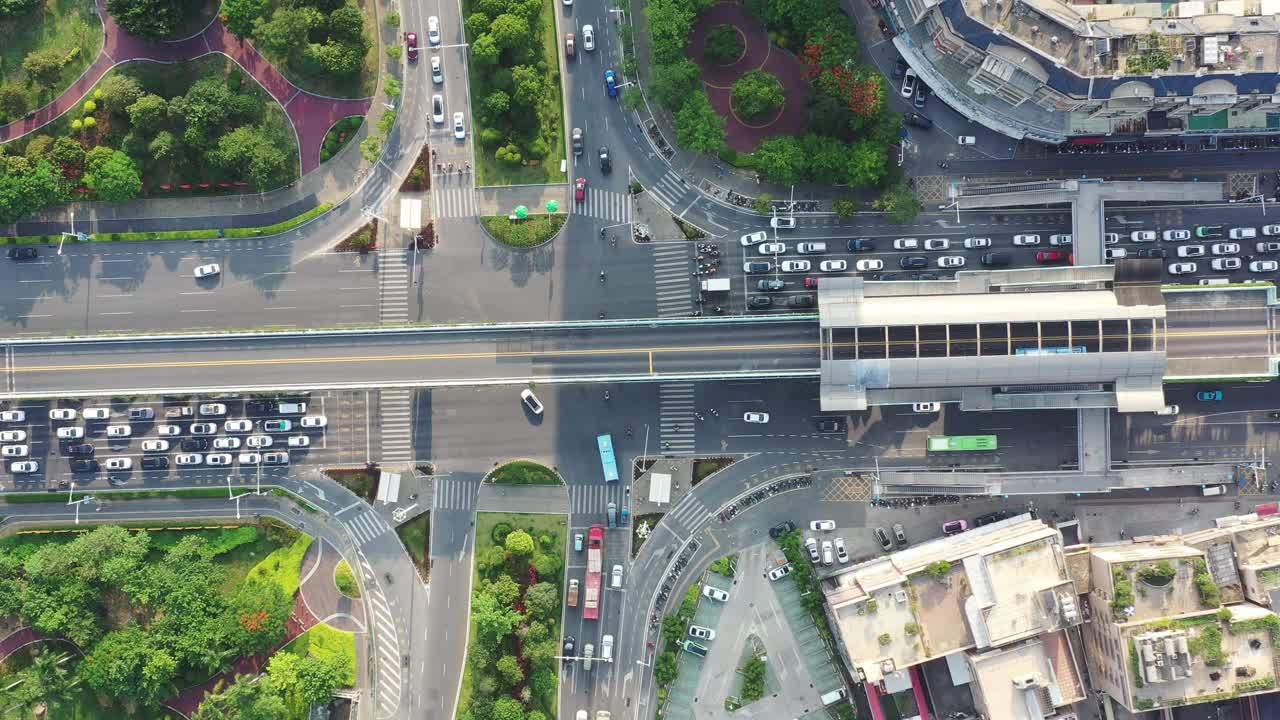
{"type": "Point", "coordinates": [204, 234]}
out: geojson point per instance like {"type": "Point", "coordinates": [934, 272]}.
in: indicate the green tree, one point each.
{"type": "Point", "coordinates": [509, 31]}
{"type": "Point", "coordinates": [520, 544]}
{"type": "Point", "coordinates": [495, 104]}
{"type": "Point", "coordinates": [530, 85]}
{"type": "Point", "coordinates": [116, 180]}
{"type": "Point", "coordinates": [542, 655]}
{"type": "Point", "coordinates": [239, 16]}
{"type": "Point", "coordinates": [493, 621]}
{"type": "Point", "coordinates": [547, 564]}
{"type": "Point", "coordinates": [245, 699]}
{"type": "Point", "coordinates": [673, 628]}
{"type": "Point", "coordinates": [898, 203]}
{"type": "Point", "coordinates": [476, 24]}
{"type": "Point", "coordinates": [723, 45]}
{"type": "Point", "coordinates": [149, 113]}
{"type": "Point", "coordinates": [485, 52]}
{"type": "Point", "coordinates": [757, 93]}
{"type": "Point", "coordinates": [509, 669]}
{"type": "Point", "coordinates": [782, 160]}
{"type": "Point", "coordinates": [543, 600]}
{"type": "Point", "coordinates": [753, 679]}
{"type": "Point", "coordinates": [21, 193]}
{"type": "Point", "coordinates": [204, 108]}
{"type": "Point", "coordinates": [868, 164]}
{"type": "Point", "coordinates": [151, 19]}
{"type": "Point", "coordinates": [669, 25]}
{"type": "Point", "coordinates": [698, 127]}
{"type": "Point", "coordinates": [845, 208]}
{"type": "Point", "coordinates": [673, 84]}
{"type": "Point", "coordinates": [13, 101]}
{"type": "Point", "coordinates": [44, 67]}
{"type": "Point", "coordinates": [250, 151]}
{"type": "Point", "coordinates": [826, 159]}
{"type": "Point", "coordinates": [11, 8]}
{"type": "Point", "coordinates": [126, 663]}
{"type": "Point", "coordinates": [505, 590]}
{"type": "Point", "coordinates": [346, 24]}
{"type": "Point", "coordinates": [508, 709]}
{"type": "Point", "coordinates": [337, 58]}
{"type": "Point", "coordinates": [665, 668]}
{"type": "Point", "coordinates": [118, 91]}
{"type": "Point", "coordinates": [164, 146]}
{"type": "Point", "coordinates": [287, 30]}
{"type": "Point", "coordinates": [256, 615]}
{"type": "Point", "coordinates": [67, 152]}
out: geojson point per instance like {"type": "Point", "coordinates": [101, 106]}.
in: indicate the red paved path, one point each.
{"type": "Point", "coordinates": [311, 115]}
{"type": "Point", "coordinates": [321, 593]}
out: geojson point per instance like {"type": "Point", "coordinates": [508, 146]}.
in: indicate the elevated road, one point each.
{"type": "Point", "coordinates": [564, 352]}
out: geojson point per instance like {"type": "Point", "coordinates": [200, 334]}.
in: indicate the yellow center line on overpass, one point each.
{"type": "Point", "coordinates": [347, 359]}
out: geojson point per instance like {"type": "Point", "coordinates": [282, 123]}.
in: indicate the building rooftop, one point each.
{"type": "Point", "coordinates": [1156, 580]}
{"type": "Point", "coordinates": [1026, 681]}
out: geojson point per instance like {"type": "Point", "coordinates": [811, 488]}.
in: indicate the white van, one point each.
{"type": "Point", "coordinates": [1215, 281]}
{"type": "Point", "coordinates": [834, 696]}
{"type": "Point", "coordinates": [1209, 490]}
{"type": "Point", "coordinates": [811, 248]}
{"type": "Point", "coordinates": [606, 648]}
{"type": "Point", "coordinates": [1168, 410]}
{"type": "Point", "coordinates": [291, 408]}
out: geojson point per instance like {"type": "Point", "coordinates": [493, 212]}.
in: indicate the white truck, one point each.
{"type": "Point", "coordinates": [715, 285]}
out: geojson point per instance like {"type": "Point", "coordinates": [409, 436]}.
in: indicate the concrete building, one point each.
{"type": "Point", "coordinates": [1063, 337]}
{"type": "Point", "coordinates": [1052, 70]}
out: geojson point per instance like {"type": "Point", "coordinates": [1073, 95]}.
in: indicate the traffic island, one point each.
{"type": "Point", "coordinates": [527, 232]}
{"type": "Point", "coordinates": [363, 481]}
{"type": "Point", "coordinates": [523, 472]}
{"type": "Point", "coordinates": [362, 240]}
{"type": "Point", "coordinates": [415, 535]}
{"type": "Point", "coordinates": [346, 580]}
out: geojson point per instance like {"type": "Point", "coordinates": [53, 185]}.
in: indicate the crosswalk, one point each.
{"type": "Point", "coordinates": [676, 417]}
{"type": "Point", "coordinates": [366, 526]}
{"type": "Point", "coordinates": [689, 513]}
{"type": "Point", "coordinates": [674, 279]}
{"type": "Point", "coordinates": [393, 286]}
{"type": "Point", "coordinates": [453, 495]}
{"type": "Point", "coordinates": [454, 201]}
{"type": "Point", "coordinates": [606, 205]}
{"type": "Point", "coordinates": [595, 498]}
{"type": "Point", "coordinates": [387, 689]}
{"type": "Point", "coordinates": [669, 190]}
{"type": "Point", "coordinates": [396, 413]}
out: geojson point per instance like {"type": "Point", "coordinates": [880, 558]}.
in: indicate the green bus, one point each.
{"type": "Point", "coordinates": [962, 443]}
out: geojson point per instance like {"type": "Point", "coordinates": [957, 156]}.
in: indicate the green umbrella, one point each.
{"type": "Point", "coordinates": [522, 212]}
{"type": "Point", "coordinates": [552, 206]}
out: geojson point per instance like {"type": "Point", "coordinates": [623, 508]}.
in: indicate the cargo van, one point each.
{"type": "Point", "coordinates": [291, 408]}
{"type": "Point", "coordinates": [1209, 490]}
{"type": "Point", "coordinates": [1215, 281]}
{"type": "Point", "coordinates": [834, 696]}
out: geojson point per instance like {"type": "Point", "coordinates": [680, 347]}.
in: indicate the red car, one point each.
{"type": "Point", "coordinates": [811, 282]}
{"type": "Point", "coordinates": [580, 189]}
{"type": "Point", "coordinates": [884, 29]}
{"type": "Point", "coordinates": [411, 40]}
{"type": "Point", "coordinates": [1050, 256]}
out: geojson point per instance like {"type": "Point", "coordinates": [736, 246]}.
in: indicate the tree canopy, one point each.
{"type": "Point", "coordinates": [151, 19]}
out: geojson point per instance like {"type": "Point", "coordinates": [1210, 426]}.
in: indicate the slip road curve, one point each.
{"type": "Point", "coordinates": [492, 355]}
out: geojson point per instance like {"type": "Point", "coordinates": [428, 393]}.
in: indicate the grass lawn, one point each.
{"type": "Point", "coordinates": [491, 171]}
{"type": "Point", "coordinates": [69, 26]}
{"type": "Point", "coordinates": [346, 580]}
{"type": "Point", "coordinates": [323, 641]}
{"type": "Point", "coordinates": [523, 472]}
{"type": "Point", "coordinates": [361, 85]}
{"type": "Point", "coordinates": [706, 466]}
{"type": "Point", "coordinates": [284, 566]}
{"type": "Point", "coordinates": [361, 482]}
{"type": "Point", "coordinates": [416, 536]}
{"type": "Point", "coordinates": [530, 232]}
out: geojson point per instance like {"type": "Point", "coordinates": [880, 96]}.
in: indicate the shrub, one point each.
{"type": "Point", "coordinates": [1159, 574]}
{"type": "Point", "coordinates": [757, 93]}
{"type": "Point", "coordinates": [723, 45]}
{"type": "Point", "coordinates": [393, 19]}
{"type": "Point", "coordinates": [872, 606]}
{"type": "Point", "coordinates": [884, 639]}
{"type": "Point", "coordinates": [911, 628]}
{"type": "Point", "coordinates": [939, 569]}
{"type": "Point", "coordinates": [1208, 590]}
{"type": "Point", "coordinates": [753, 679]}
{"type": "Point", "coordinates": [499, 533]}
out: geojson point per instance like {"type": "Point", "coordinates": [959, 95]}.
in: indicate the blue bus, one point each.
{"type": "Point", "coordinates": [604, 443]}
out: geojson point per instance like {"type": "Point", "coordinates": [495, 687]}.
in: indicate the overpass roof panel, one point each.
{"type": "Point", "coordinates": [852, 311]}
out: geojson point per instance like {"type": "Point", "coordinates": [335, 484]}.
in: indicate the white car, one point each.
{"type": "Point", "coordinates": [204, 271]}
{"type": "Point", "coordinates": [926, 407]}
{"type": "Point", "coordinates": [1263, 266]}
{"type": "Point", "coordinates": [1143, 236]}
{"type": "Point", "coordinates": [967, 140]}
{"type": "Point", "coordinates": [155, 446]}
{"type": "Point", "coordinates": [13, 436]}
{"type": "Point", "coordinates": [1115, 253]}
{"type": "Point", "coordinates": [1026, 240]}
{"type": "Point", "coordinates": [62, 414]}
{"type": "Point", "coordinates": [212, 409]}
{"type": "Point", "coordinates": [1271, 230]}
{"type": "Point", "coordinates": [24, 468]}
{"type": "Point", "coordinates": [437, 109]}
{"type": "Point", "coordinates": [828, 552]}
{"type": "Point", "coordinates": [822, 524]}
{"type": "Point", "coordinates": [217, 459]}
{"type": "Point", "coordinates": [188, 459]}
{"type": "Point", "coordinates": [779, 572]}
{"type": "Point", "coordinates": [238, 426]}
{"type": "Point", "coordinates": [249, 458]}
{"type": "Point", "coordinates": [169, 430]}
{"type": "Point", "coordinates": [119, 463]}
{"type": "Point", "coordinates": [1182, 268]}
{"type": "Point", "coordinates": [841, 554]}
{"type": "Point", "coordinates": [1225, 249]}
{"type": "Point", "coordinates": [714, 593]}
{"type": "Point", "coordinates": [782, 223]}
{"type": "Point", "coordinates": [96, 413]}
{"type": "Point", "coordinates": [433, 30]}
{"type": "Point", "coordinates": [437, 74]}
{"type": "Point", "coordinates": [757, 418]}
{"type": "Point", "coordinates": [702, 633]}
{"type": "Point", "coordinates": [868, 264]}
{"type": "Point", "coordinates": [1227, 263]}
{"type": "Point", "coordinates": [1268, 247]}
{"type": "Point", "coordinates": [459, 129]}
{"type": "Point", "coordinates": [615, 577]}
{"type": "Point", "coordinates": [12, 416]}
{"type": "Point", "coordinates": [1110, 238]}
{"type": "Point", "coordinates": [204, 429]}
{"type": "Point", "coordinates": [937, 244]}
{"type": "Point", "coordinates": [811, 545]}
{"type": "Point", "coordinates": [908, 83]}
{"type": "Point", "coordinates": [258, 441]}
{"type": "Point", "coordinates": [11, 451]}
{"type": "Point", "coordinates": [70, 432]}
{"type": "Point", "coordinates": [773, 248]}
{"type": "Point", "coordinates": [1059, 239]}
{"type": "Point", "coordinates": [119, 431]}
{"type": "Point", "coordinates": [1190, 251]}
{"type": "Point", "coordinates": [299, 441]}
{"type": "Point", "coordinates": [951, 261]}
{"type": "Point", "coordinates": [226, 443]}
{"type": "Point", "coordinates": [906, 244]}
{"type": "Point", "coordinates": [1171, 235]}
{"type": "Point", "coordinates": [588, 38]}
{"type": "Point", "coordinates": [976, 242]}
{"type": "Point", "coordinates": [833, 265]}
{"type": "Point", "coordinates": [795, 266]}
{"type": "Point", "coordinates": [1242, 233]}
{"type": "Point", "coordinates": [314, 421]}
{"type": "Point", "coordinates": [754, 238]}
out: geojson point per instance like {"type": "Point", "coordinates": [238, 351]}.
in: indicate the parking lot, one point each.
{"type": "Point", "coordinates": [153, 442]}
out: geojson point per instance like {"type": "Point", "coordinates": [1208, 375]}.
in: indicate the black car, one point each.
{"type": "Point", "coordinates": [882, 537]}
{"type": "Point", "coordinates": [84, 466]}
{"type": "Point", "coordinates": [770, 285]}
{"type": "Point", "coordinates": [828, 425]}
{"type": "Point", "coordinates": [996, 259]}
{"type": "Point", "coordinates": [924, 276]}
{"type": "Point", "coordinates": [260, 407]}
{"type": "Point", "coordinates": [569, 645]}
{"type": "Point", "coordinates": [913, 262]}
{"type": "Point", "coordinates": [1155, 252]}
{"type": "Point", "coordinates": [760, 301]}
{"type": "Point", "coordinates": [23, 253]}
{"type": "Point", "coordinates": [155, 463]}
{"type": "Point", "coordinates": [79, 449]}
{"type": "Point", "coordinates": [917, 120]}
{"type": "Point", "coordinates": [195, 444]}
{"type": "Point", "coordinates": [861, 245]}
{"type": "Point", "coordinates": [781, 529]}
{"type": "Point", "coordinates": [992, 517]}
{"type": "Point", "coordinates": [605, 163]}
{"type": "Point", "coordinates": [800, 301]}
{"type": "Point", "coordinates": [900, 69]}
{"type": "Point", "coordinates": [922, 94]}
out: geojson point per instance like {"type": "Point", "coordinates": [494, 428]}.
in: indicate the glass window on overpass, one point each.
{"type": "Point", "coordinates": [964, 340]}
{"type": "Point", "coordinates": [1115, 336]}
{"type": "Point", "coordinates": [1085, 334]}
{"type": "Point", "coordinates": [995, 339]}
{"type": "Point", "coordinates": [933, 341]}
{"type": "Point", "coordinates": [871, 343]}
{"type": "Point", "coordinates": [902, 342]}
{"type": "Point", "coordinates": [1024, 336]}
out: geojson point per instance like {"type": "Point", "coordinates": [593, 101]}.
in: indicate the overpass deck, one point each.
{"type": "Point", "coordinates": [1220, 332]}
